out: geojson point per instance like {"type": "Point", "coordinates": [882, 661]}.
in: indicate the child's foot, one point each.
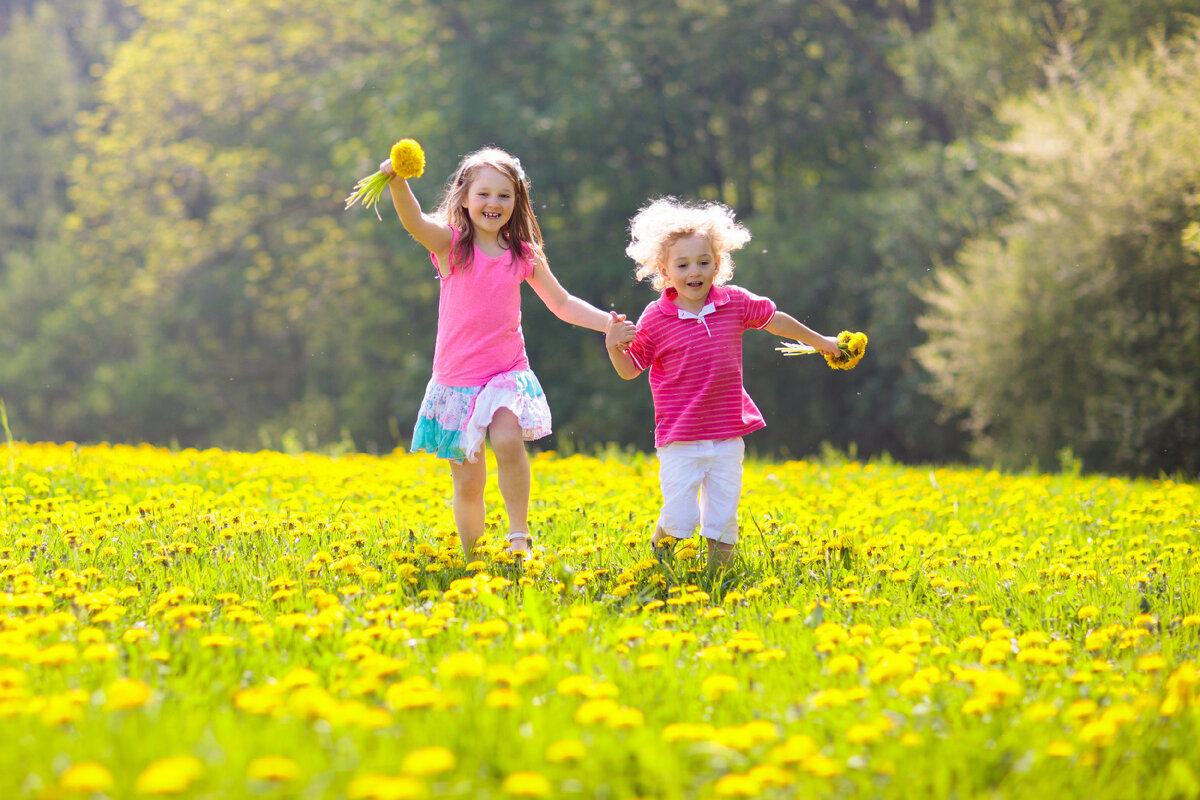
{"type": "Point", "coordinates": [660, 547]}
{"type": "Point", "coordinates": [657, 537]}
{"type": "Point", "coordinates": [520, 543]}
{"type": "Point", "coordinates": [720, 554]}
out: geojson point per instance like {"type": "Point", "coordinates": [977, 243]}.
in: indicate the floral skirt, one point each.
{"type": "Point", "coordinates": [453, 420]}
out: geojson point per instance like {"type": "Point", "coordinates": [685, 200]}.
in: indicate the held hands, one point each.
{"type": "Point", "coordinates": [618, 333]}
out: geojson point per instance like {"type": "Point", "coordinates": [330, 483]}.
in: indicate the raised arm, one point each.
{"type": "Point", "coordinates": [434, 236]}
{"type": "Point", "coordinates": [791, 328]}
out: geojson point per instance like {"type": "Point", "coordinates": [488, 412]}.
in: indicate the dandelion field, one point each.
{"type": "Point", "coordinates": [209, 624]}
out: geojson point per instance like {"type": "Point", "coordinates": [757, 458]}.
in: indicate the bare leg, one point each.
{"type": "Point", "coordinates": [512, 469]}
{"type": "Point", "coordinates": [469, 481]}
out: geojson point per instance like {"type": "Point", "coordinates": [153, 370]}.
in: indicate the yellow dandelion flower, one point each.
{"type": "Point", "coordinates": [1100, 732]}
{"type": "Point", "coordinates": [170, 775]}
{"type": "Point", "coordinates": [595, 712]}
{"type": "Point", "coordinates": [1151, 662]}
{"type": "Point", "coordinates": [272, 769]}
{"type": "Point", "coordinates": [408, 161]}
{"type": "Point", "coordinates": [853, 346]}
{"type": "Point", "coordinates": [829, 698]}
{"type": "Point", "coordinates": [466, 664]}
{"type": "Point", "coordinates": [651, 661]}
{"type": "Point", "coordinates": [428, 761]}
{"type": "Point", "coordinates": [626, 717]}
{"type": "Point", "coordinates": [86, 777]}
{"type": "Point", "coordinates": [566, 751]}
{"type": "Point", "coordinates": [526, 784]}
{"type": "Point", "coordinates": [822, 766]}
{"type": "Point", "coordinates": [688, 732]}
{"type": "Point", "coordinates": [738, 785]}
{"type": "Point", "coordinates": [715, 687]}
{"type": "Point", "coordinates": [794, 750]}
{"type": "Point", "coordinates": [502, 698]}
{"type": "Point", "coordinates": [1060, 749]}
{"type": "Point", "coordinates": [126, 695]}
{"type": "Point", "coordinates": [1040, 712]}
{"type": "Point", "coordinates": [842, 664]}
{"type": "Point", "coordinates": [863, 733]}
{"type": "Point", "coordinates": [374, 786]}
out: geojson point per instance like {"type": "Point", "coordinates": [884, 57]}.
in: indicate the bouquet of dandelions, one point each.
{"type": "Point", "coordinates": [852, 345]}
{"type": "Point", "coordinates": [408, 161]}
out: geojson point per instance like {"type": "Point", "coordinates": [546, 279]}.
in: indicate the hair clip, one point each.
{"type": "Point", "coordinates": [520, 169]}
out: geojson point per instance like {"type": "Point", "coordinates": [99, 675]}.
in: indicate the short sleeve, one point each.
{"type": "Point", "coordinates": [642, 349]}
{"type": "Point", "coordinates": [758, 311]}
{"type": "Point", "coordinates": [526, 265]}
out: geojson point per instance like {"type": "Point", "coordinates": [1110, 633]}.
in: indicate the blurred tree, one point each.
{"type": "Point", "coordinates": [1077, 324]}
{"type": "Point", "coordinates": [940, 180]}
{"type": "Point", "coordinates": [211, 214]}
{"type": "Point", "coordinates": [39, 95]}
{"type": "Point", "coordinates": [50, 53]}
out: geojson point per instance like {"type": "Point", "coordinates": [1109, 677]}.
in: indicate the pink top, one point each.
{"type": "Point", "coordinates": [479, 319]}
{"type": "Point", "coordinates": [695, 363]}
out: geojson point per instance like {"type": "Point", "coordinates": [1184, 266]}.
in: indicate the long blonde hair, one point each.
{"type": "Point", "coordinates": [664, 221]}
{"type": "Point", "coordinates": [521, 233]}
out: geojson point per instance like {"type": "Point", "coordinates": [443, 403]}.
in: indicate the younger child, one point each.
{"type": "Point", "coordinates": [690, 339]}
{"type": "Point", "coordinates": [485, 242]}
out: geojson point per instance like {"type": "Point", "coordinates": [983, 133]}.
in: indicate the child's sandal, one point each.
{"type": "Point", "coordinates": [516, 537]}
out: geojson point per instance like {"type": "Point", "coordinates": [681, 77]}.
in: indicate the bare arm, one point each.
{"type": "Point", "coordinates": [616, 340]}
{"type": "Point", "coordinates": [563, 304]}
{"type": "Point", "coordinates": [791, 328]}
{"type": "Point", "coordinates": [434, 236]}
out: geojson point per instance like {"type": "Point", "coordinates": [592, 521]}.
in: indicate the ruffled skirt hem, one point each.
{"type": "Point", "coordinates": [453, 420]}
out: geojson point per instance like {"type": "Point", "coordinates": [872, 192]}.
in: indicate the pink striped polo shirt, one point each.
{"type": "Point", "coordinates": [695, 364]}
{"type": "Point", "coordinates": [479, 319]}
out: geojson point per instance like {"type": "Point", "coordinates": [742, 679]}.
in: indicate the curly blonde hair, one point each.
{"type": "Point", "coordinates": [664, 221]}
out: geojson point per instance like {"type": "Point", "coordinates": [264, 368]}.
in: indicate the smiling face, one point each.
{"type": "Point", "coordinates": [490, 201]}
{"type": "Point", "coordinates": [690, 267]}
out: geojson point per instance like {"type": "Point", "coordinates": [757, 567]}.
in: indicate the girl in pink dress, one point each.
{"type": "Point", "coordinates": [485, 242]}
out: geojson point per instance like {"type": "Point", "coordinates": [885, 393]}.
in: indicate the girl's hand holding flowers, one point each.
{"type": "Point", "coordinates": [851, 348]}
{"type": "Point", "coordinates": [407, 161]}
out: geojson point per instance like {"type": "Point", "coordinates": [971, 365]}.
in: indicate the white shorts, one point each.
{"type": "Point", "coordinates": [701, 486]}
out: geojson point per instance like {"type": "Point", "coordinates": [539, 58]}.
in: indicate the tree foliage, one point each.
{"type": "Point", "coordinates": [1077, 323]}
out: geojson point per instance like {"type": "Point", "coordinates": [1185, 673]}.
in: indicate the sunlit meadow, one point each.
{"type": "Point", "coordinates": [225, 625]}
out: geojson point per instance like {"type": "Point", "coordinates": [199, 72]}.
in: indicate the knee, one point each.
{"type": "Point", "coordinates": [508, 445]}
{"type": "Point", "coordinates": [470, 485]}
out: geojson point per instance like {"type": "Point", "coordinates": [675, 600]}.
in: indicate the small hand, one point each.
{"type": "Point", "coordinates": [618, 332]}
{"type": "Point", "coordinates": [829, 346]}
{"type": "Point", "coordinates": [385, 167]}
